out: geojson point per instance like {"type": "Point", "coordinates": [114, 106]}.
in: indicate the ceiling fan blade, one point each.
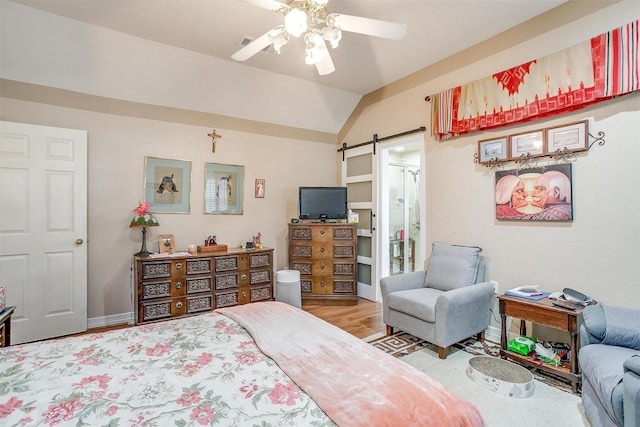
{"type": "Point", "coordinates": [252, 48]}
{"type": "Point", "coordinates": [267, 4]}
{"type": "Point", "coordinates": [325, 66]}
{"type": "Point", "coordinates": [369, 26]}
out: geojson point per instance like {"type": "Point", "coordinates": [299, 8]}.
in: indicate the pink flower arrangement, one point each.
{"type": "Point", "coordinates": [142, 208]}
{"type": "Point", "coordinates": [143, 218]}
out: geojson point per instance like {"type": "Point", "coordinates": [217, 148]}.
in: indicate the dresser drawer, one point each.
{"type": "Point", "coordinates": [226, 281]}
{"type": "Point", "coordinates": [225, 263]}
{"type": "Point", "coordinates": [174, 287]}
{"type": "Point", "coordinates": [174, 307]}
{"type": "Point", "coordinates": [196, 266]}
{"type": "Point", "coordinates": [163, 309]}
{"type": "Point", "coordinates": [328, 286]}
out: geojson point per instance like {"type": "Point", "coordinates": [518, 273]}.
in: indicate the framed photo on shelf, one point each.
{"type": "Point", "coordinates": [530, 143]}
{"type": "Point", "coordinates": [259, 189]}
{"type": "Point", "coordinates": [166, 244]}
{"type": "Point", "coordinates": [167, 185]}
{"type": "Point", "coordinates": [493, 149]}
{"type": "Point", "coordinates": [568, 138]}
{"type": "Point", "coordinates": [223, 186]}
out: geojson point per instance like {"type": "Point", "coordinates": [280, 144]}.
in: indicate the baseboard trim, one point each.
{"type": "Point", "coordinates": [111, 320]}
{"type": "Point", "coordinates": [493, 334]}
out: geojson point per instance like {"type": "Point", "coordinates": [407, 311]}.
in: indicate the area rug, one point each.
{"type": "Point", "coordinates": [401, 344]}
{"type": "Point", "coordinates": [548, 406]}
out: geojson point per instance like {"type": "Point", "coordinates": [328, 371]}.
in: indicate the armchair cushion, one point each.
{"type": "Point", "coordinates": [452, 266]}
{"type": "Point", "coordinates": [419, 303]}
{"type": "Point", "coordinates": [622, 327]}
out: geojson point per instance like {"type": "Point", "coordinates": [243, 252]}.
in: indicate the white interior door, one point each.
{"type": "Point", "coordinates": [43, 229]}
{"type": "Point", "coordinates": [359, 175]}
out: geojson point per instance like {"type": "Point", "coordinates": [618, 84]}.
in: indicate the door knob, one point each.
{"type": "Point", "coordinates": [79, 241]}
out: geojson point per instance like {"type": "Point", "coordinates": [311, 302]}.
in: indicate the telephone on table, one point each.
{"type": "Point", "coordinates": [570, 299]}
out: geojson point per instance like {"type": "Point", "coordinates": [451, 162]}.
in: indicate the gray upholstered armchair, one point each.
{"type": "Point", "coordinates": [610, 361]}
{"type": "Point", "coordinates": [443, 305]}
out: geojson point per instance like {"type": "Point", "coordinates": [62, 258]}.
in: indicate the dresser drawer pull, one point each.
{"type": "Point", "coordinates": [321, 249]}
{"type": "Point", "coordinates": [244, 294]}
{"type": "Point", "coordinates": [322, 284]}
{"type": "Point", "coordinates": [179, 266]}
{"type": "Point", "coordinates": [179, 285]}
{"type": "Point", "coordinates": [321, 266]}
{"type": "Point", "coordinates": [322, 231]}
{"type": "Point", "coordinates": [179, 305]}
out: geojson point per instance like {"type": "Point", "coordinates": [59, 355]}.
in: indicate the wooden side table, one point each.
{"type": "Point", "coordinates": [5, 326]}
{"type": "Point", "coordinates": [542, 312]}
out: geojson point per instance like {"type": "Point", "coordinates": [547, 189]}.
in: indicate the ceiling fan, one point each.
{"type": "Point", "coordinates": [309, 19]}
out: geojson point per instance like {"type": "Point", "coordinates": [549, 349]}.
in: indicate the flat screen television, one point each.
{"type": "Point", "coordinates": [323, 203]}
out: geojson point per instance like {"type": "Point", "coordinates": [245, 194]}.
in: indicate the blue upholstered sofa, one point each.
{"type": "Point", "coordinates": [610, 361]}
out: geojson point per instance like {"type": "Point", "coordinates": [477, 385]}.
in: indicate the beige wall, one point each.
{"type": "Point", "coordinates": [597, 253]}
{"type": "Point", "coordinates": [117, 149]}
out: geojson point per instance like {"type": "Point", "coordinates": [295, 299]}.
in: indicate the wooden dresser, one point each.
{"type": "Point", "coordinates": [176, 286]}
{"type": "Point", "coordinates": [325, 254]}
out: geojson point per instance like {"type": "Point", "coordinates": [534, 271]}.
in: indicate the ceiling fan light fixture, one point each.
{"type": "Point", "coordinates": [279, 37]}
{"type": "Point", "coordinates": [310, 19]}
{"type": "Point", "coordinates": [295, 22]}
{"type": "Point", "coordinates": [315, 51]}
{"type": "Point", "coordinates": [332, 35]}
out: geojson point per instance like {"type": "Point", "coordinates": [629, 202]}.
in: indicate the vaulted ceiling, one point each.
{"type": "Point", "coordinates": [437, 29]}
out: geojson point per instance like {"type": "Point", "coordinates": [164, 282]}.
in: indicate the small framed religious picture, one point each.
{"type": "Point", "coordinates": [166, 244]}
{"type": "Point", "coordinates": [259, 190]}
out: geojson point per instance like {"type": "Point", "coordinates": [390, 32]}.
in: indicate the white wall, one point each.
{"type": "Point", "coordinates": [597, 253]}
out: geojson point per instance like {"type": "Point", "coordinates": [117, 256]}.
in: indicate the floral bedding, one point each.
{"type": "Point", "coordinates": [202, 370]}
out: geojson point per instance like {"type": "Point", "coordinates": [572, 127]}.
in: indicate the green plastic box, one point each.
{"type": "Point", "coordinates": [522, 345]}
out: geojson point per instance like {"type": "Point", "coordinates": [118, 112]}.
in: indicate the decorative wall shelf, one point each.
{"type": "Point", "coordinates": [528, 159]}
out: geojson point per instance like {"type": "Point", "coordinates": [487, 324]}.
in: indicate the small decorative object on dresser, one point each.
{"type": "Point", "coordinates": [325, 254]}
{"type": "Point", "coordinates": [166, 244]}
{"type": "Point", "coordinates": [175, 286]}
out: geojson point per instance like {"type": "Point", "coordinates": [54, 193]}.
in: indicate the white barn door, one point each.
{"type": "Point", "coordinates": [43, 229]}
{"type": "Point", "coordinates": [359, 176]}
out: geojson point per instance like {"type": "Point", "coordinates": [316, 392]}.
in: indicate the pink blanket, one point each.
{"type": "Point", "coordinates": [353, 382]}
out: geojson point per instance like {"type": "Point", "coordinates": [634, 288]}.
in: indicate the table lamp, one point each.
{"type": "Point", "coordinates": [143, 219]}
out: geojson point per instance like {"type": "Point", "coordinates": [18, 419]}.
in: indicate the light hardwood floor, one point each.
{"type": "Point", "coordinates": [361, 320]}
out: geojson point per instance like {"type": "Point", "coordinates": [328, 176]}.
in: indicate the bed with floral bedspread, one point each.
{"type": "Point", "coordinates": [209, 370]}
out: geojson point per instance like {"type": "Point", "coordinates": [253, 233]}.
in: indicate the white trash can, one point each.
{"type": "Point", "coordinates": [288, 287]}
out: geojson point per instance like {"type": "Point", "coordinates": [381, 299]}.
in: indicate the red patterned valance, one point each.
{"type": "Point", "coordinates": [590, 72]}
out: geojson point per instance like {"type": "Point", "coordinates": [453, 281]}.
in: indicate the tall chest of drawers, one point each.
{"type": "Point", "coordinates": [172, 287]}
{"type": "Point", "coordinates": [326, 256]}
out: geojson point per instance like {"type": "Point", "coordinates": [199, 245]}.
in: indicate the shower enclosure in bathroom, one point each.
{"type": "Point", "coordinates": [404, 218]}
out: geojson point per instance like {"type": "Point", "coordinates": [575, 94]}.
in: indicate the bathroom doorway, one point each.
{"type": "Point", "coordinates": [401, 240]}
